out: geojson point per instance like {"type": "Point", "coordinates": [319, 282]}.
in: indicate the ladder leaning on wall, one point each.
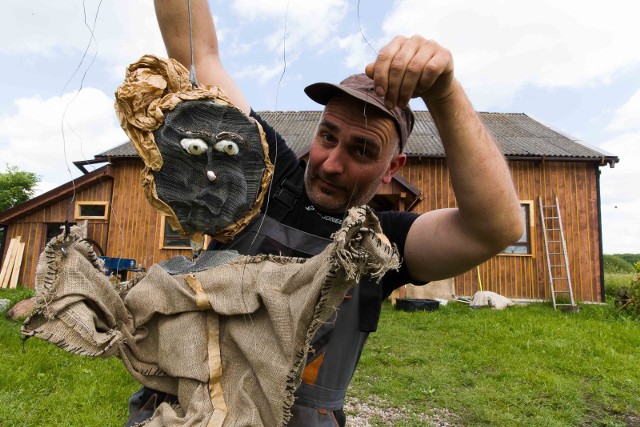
{"type": "Point", "coordinates": [555, 248]}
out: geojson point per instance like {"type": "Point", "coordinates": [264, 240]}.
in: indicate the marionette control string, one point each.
{"type": "Point", "coordinates": [275, 155]}
{"type": "Point", "coordinates": [364, 108]}
{"type": "Point", "coordinates": [192, 68]}
{"type": "Point", "coordinates": [92, 39]}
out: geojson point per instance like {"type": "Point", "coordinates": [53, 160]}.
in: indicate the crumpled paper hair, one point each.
{"type": "Point", "coordinates": [153, 87]}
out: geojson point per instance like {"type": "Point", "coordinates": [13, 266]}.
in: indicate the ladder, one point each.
{"type": "Point", "coordinates": [555, 248]}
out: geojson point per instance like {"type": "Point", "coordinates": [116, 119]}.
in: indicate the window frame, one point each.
{"type": "Point", "coordinates": [79, 205]}
{"type": "Point", "coordinates": [163, 234]}
{"type": "Point", "coordinates": [528, 206]}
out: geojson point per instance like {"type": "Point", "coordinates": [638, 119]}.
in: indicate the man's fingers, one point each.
{"type": "Point", "coordinates": [382, 65]}
{"type": "Point", "coordinates": [399, 81]}
{"type": "Point", "coordinates": [413, 78]}
{"type": "Point", "coordinates": [407, 68]}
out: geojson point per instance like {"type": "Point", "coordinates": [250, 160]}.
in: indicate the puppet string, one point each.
{"type": "Point", "coordinates": [92, 39]}
{"type": "Point", "coordinates": [364, 109]}
{"type": "Point", "coordinates": [275, 156]}
{"type": "Point", "coordinates": [192, 68]}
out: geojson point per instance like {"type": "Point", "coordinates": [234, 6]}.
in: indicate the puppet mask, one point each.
{"type": "Point", "coordinates": [206, 162]}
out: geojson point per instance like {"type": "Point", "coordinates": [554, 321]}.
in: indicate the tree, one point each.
{"type": "Point", "coordinates": [16, 186]}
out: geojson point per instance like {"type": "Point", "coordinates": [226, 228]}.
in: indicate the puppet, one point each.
{"type": "Point", "coordinates": [227, 334]}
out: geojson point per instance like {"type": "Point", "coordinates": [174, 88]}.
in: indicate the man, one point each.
{"type": "Point", "coordinates": [350, 155]}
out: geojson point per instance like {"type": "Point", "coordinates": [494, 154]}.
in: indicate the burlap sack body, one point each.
{"type": "Point", "coordinates": [230, 342]}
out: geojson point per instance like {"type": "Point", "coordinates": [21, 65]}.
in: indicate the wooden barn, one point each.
{"type": "Point", "coordinates": [545, 164]}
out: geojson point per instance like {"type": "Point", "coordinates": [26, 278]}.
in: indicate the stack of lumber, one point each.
{"type": "Point", "coordinates": [11, 265]}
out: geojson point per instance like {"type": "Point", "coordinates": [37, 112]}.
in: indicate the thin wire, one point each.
{"type": "Point", "coordinates": [275, 108]}
{"type": "Point", "coordinates": [275, 159]}
{"type": "Point", "coordinates": [362, 32]}
{"type": "Point", "coordinates": [92, 39]}
{"type": "Point", "coordinates": [364, 110]}
{"type": "Point", "coordinates": [64, 113]}
{"type": "Point", "coordinates": [192, 69]}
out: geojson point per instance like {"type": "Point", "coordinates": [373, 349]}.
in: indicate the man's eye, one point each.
{"type": "Point", "coordinates": [226, 146]}
{"type": "Point", "coordinates": [194, 146]}
{"type": "Point", "coordinates": [327, 138]}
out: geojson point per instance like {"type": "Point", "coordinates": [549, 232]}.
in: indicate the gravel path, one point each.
{"type": "Point", "coordinates": [375, 410]}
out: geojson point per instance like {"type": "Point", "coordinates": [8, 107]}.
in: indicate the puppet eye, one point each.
{"type": "Point", "coordinates": [194, 146]}
{"type": "Point", "coordinates": [226, 146]}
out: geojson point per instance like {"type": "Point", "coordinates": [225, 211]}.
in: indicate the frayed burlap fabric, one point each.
{"type": "Point", "coordinates": [229, 341]}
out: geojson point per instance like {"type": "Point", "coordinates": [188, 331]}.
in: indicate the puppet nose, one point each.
{"type": "Point", "coordinates": [210, 174]}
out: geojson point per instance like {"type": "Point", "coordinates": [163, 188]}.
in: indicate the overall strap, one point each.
{"type": "Point", "coordinates": [287, 194]}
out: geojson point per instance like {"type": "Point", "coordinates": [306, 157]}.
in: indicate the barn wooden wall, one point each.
{"type": "Point", "coordinates": [525, 277]}
{"type": "Point", "coordinates": [135, 227]}
{"type": "Point", "coordinates": [33, 227]}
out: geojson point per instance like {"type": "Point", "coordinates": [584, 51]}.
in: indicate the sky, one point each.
{"type": "Point", "coordinates": [573, 65]}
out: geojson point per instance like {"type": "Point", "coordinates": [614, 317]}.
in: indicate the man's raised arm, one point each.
{"type": "Point", "coordinates": [173, 19]}
{"type": "Point", "coordinates": [446, 242]}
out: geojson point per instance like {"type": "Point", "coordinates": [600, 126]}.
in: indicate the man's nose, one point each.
{"type": "Point", "coordinates": [334, 163]}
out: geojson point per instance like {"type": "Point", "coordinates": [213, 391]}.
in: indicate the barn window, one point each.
{"type": "Point", "coordinates": [524, 245]}
{"type": "Point", "coordinates": [171, 239]}
{"type": "Point", "coordinates": [92, 210]}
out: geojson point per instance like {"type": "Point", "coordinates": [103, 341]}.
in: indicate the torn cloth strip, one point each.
{"type": "Point", "coordinates": [261, 310]}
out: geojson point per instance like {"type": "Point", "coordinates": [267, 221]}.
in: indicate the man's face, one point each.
{"type": "Point", "coordinates": [353, 151]}
{"type": "Point", "coordinates": [213, 162]}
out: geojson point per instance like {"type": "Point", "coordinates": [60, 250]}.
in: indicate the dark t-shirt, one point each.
{"type": "Point", "coordinates": [306, 217]}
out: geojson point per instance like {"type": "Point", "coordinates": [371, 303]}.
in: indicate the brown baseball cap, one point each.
{"type": "Point", "coordinates": [360, 86]}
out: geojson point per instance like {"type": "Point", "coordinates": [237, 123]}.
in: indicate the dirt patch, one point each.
{"type": "Point", "coordinates": [375, 410]}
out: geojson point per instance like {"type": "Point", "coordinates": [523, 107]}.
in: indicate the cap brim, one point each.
{"type": "Point", "coordinates": [323, 92]}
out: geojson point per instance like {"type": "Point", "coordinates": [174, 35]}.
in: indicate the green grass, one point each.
{"type": "Point", "coordinates": [41, 385]}
{"type": "Point", "coordinates": [524, 366]}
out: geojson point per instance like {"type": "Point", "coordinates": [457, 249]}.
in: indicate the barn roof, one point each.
{"type": "Point", "coordinates": [65, 190]}
{"type": "Point", "coordinates": [519, 137]}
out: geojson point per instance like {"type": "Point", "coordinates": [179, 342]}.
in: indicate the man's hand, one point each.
{"type": "Point", "coordinates": [412, 67]}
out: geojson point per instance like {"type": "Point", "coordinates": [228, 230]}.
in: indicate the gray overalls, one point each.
{"type": "Point", "coordinates": [338, 344]}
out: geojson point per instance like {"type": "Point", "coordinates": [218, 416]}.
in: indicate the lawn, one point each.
{"type": "Point", "coordinates": [524, 366]}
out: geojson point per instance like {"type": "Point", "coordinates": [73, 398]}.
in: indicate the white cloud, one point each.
{"type": "Point", "coordinates": [261, 73]}
{"type": "Point", "coordinates": [620, 200]}
{"type": "Point", "coordinates": [358, 53]}
{"type": "Point", "coordinates": [124, 30]}
{"type": "Point", "coordinates": [32, 138]}
{"type": "Point", "coordinates": [621, 228]}
{"type": "Point", "coordinates": [501, 46]}
{"type": "Point", "coordinates": [627, 117]}
{"type": "Point", "coordinates": [308, 24]}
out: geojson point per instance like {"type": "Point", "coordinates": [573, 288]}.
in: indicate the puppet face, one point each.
{"type": "Point", "coordinates": [213, 162]}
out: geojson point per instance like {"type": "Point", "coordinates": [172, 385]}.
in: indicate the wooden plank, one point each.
{"type": "Point", "coordinates": [5, 264]}
{"type": "Point", "coordinates": [16, 266]}
{"type": "Point", "coordinates": [9, 261]}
